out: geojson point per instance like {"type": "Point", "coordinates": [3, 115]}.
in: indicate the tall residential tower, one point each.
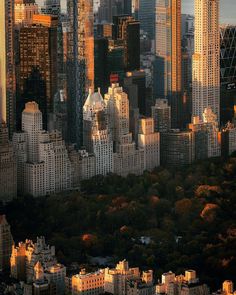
{"type": "Point", "coordinates": [80, 66]}
{"type": "Point", "coordinates": [168, 53]}
{"type": "Point", "coordinates": [7, 65]}
{"type": "Point", "coordinates": [206, 58]}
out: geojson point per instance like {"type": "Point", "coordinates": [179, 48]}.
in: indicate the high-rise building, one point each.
{"type": "Point", "coordinates": [177, 148]}
{"type": "Point", "coordinates": [127, 159]}
{"type": "Point", "coordinates": [7, 65]}
{"type": "Point", "coordinates": [115, 59]}
{"type": "Point", "coordinates": [32, 126]}
{"type": "Point", "coordinates": [109, 8]}
{"type": "Point", "coordinates": [8, 174]}
{"type": "Point", "coordinates": [168, 56]}
{"type": "Point", "coordinates": [135, 85]}
{"type": "Point", "coordinates": [53, 8]}
{"type": "Point", "coordinates": [24, 11]}
{"type": "Point", "coordinates": [187, 53]}
{"type": "Point", "coordinates": [101, 64]}
{"type": "Point", "coordinates": [6, 243]}
{"type": "Point", "coordinates": [38, 65]}
{"type": "Point", "coordinates": [42, 157]}
{"type": "Point", "coordinates": [97, 137]}
{"type": "Point", "coordinates": [149, 141]}
{"type": "Point", "coordinates": [146, 13]}
{"type": "Point", "coordinates": [80, 67]}
{"type": "Point", "coordinates": [206, 58]}
{"type": "Point", "coordinates": [227, 72]}
{"type": "Point", "coordinates": [161, 114]}
{"type": "Point", "coordinates": [127, 29]}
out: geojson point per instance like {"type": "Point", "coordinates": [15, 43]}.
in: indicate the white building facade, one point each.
{"type": "Point", "coordinates": [206, 59]}
{"type": "Point", "coordinates": [43, 161]}
{"type": "Point", "coordinates": [96, 133]}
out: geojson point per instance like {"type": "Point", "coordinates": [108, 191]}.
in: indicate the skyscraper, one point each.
{"type": "Point", "coordinates": [53, 7]}
{"type": "Point", "coordinates": [109, 8]}
{"type": "Point", "coordinates": [7, 64]}
{"type": "Point", "coordinates": [168, 52]}
{"type": "Point", "coordinates": [80, 68]}
{"type": "Point", "coordinates": [42, 157]}
{"type": "Point", "coordinates": [127, 159]}
{"type": "Point", "coordinates": [97, 136]}
{"type": "Point", "coordinates": [147, 17]}
{"type": "Point", "coordinates": [38, 65]}
{"type": "Point", "coordinates": [206, 58]}
{"type": "Point", "coordinates": [128, 29]}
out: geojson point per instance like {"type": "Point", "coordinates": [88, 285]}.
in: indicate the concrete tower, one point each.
{"type": "Point", "coordinates": [168, 52]}
{"type": "Point", "coordinates": [32, 124]}
{"type": "Point", "coordinates": [97, 137]}
{"type": "Point", "coordinates": [206, 58]}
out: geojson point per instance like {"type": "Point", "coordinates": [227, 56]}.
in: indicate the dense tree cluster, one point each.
{"type": "Point", "coordinates": [189, 217]}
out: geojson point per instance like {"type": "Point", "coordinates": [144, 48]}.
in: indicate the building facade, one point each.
{"type": "Point", "coordinates": [115, 279]}
{"type": "Point", "coordinates": [97, 136]}
{"type": "Point", "coordinates": [38, 65]}
{"type": "Point", "coordinates": [27, 254]}
{"type": "Point", "coordinates": [149, 141]}
{"type": "Point", "coordinates": [88, 283]}
{"type": "Point", "coordinates": [206, 59]}
{"type": "Point", "coordinates": [8, 169]}
{"type": "Point", "coordinates": [80, 64]}
{"type": "Point", "coordinates": [126, 28]}
{"type": "Point", "coordinates": [24, 11]}
{"type": "Point", "coordinates": [146, 16]}
{"type": "Point", "coordinates": [177, 148]}
{"type": "Point", "coordinates": [228, 140]}
{"type": "Point", "coordinates": [207, 135]}
{"type": "Point", "coordinates": [83, 165]}
{"type": "Point", "coordinates": [161, 114]}
{"type": "Point", "coordinates": [43, 160]}
{"type": "Point", "coordinates": [127, 158]}
{"type": "Point", "coordinates": [7, 65]}
{"type": "Point", "coordinates": [6, 243]}
{"type": "Point", "coordinates": [168, 79]}
{"type": "Point", "coordinates": [227, 72]}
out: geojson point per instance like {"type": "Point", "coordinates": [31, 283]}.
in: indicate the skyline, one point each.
{"type": "Point", "coordinates": [117, 143]}
{"type": "Point", "coordinates": [226, 11]}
